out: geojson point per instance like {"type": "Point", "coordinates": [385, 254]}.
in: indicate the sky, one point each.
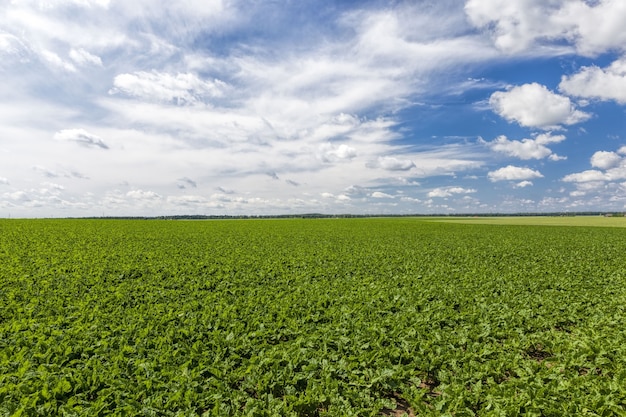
{"type": "Point", "coordinates": [242, 107]}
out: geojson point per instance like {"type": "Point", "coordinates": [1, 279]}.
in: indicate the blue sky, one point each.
{"type": "Point", "coordinates": [150, 107]}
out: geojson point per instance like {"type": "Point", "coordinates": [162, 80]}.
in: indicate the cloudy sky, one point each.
{"type": "Point", "coordinates": [154, 107]}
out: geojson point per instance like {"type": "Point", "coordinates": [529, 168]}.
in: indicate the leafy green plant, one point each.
{"type": "Point", "coordinates": [350, 317]}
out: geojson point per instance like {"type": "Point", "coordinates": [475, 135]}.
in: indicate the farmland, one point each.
{"type": "Point", "coordinates": [591, 221]}
{"type": "Point", "coordinates": [332, 317]}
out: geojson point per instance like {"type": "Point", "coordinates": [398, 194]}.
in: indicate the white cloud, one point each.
{"type": "Point", "coordinates": [54, 186]}
{"type": "Point", "coordinates": [340, 126]}
{"type": "Point", "coordinates": [523, 184]}
{"type": "Point", "coordinates": [596, 83]}
{"type": "Point", "coordinates": [18, 196]}
{"type": "Point", "coordinates": [332, 153]}
{"type": "Point", "coordinates": [391, 163]}
{"type": "Point", "coordinates": [50, 173]}
{"type": "Point", "coordinates": [355, 191]}
{"type": "Point", "coordinates": [80, 136]}
{"type": "Point", "coordinates": [548, 138]}
{"type": "Point", "coordinates": [555, 157]}
{"type": "Point", "coordinates": [195, 12]}
{"type": "Point", "coordinates": [187, 200]}
{"type": "Point", "coordinates": [82, 57]}
{"type": "Point", "coordinates": [605, 160]}
{"type": "Point", "coordinates": [513, 173]}
{"type": "Point", "coordinates": [13, 47]}
{"type": "Point", "coordinates": [51, 5]}
{"type": "Point", "coordinates": [4, 181]}
{"type": "Point", "coordinates": [143, 195]}
{"type": "Point", "coordinates": [167, 88]}
{"type": "Point", "coordinates": [297, 114]}
{"type": "Point", "coordinates": [586, 176]}
{"type": "Point", "coordinates": [533, 105]}
{"type": "Point", "coordinates": [602, 182]}
{"type": "Point", "coordinates": [443, 192]}
{"type": "Point", "coordinates": [56, 62]}
{"type": "Point", "coordinates": [617, 173]}
{"type": "Point", "coordinates": [592, 27]}
{"type": "Point", "coordinates": [191, 111]}
{"type": "Point", "coordinates": [378, 194]}
{"type": "Point", "coordinates": [526, 148]}
{"type": "Point", "coordinates": [515, 24]}
{"type": "Point", "coordinates": [126, 27]}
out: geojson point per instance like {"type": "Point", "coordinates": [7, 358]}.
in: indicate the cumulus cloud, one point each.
{"type": "Point", "coordinates": [4, 181]}
{"type": "Point", "coordinates": [182, 88]}
{"type": "Point", "coordinates": [390, 163]}
{"type": "Point", "coordinates": [533, 105]}
{"type": "Point", "coordinates": [590, 175]}
{"type": "Point", "coordinates": [605, 160]}
{"type": "Point", "coordinates": [555, 157]}
{"type": "Point", "coordinates": [196, 92]}
{"type": "Point", "coordinates": [143, 195]}
{"type": "Point", "coordinates": [513, 173]}
{"type": "Point", "coordinates": [295, 107]}
{"type": "Point", "coordinates": [329, 152]}
{"type": "Point", "coordinates": [516, 26]}
{"type": "Point", "coordinates": [596, 83]}
{"type": "Point", "coordinates": [443, 192]}
{"type": "Point", "coordinates": [526, 148]}
{"type": "Point", "coordinates": [410, 199]}
{"type": "Point", "coordinates": [82, 137]}
{"type": "Point", "coordinates": [355, 191]}
{"type": "Point", "coordinates": [187, 200]}
{"type": "Point", "coordinates": [594, 26]}
{"type": "Point", "coordinates": [524, 184]}
{"type": "Point", "coordinates": [378, 194]}
{"type": "Point", "coordinates": [20, 196]}
{"type": "Point", "coordinates": [53, 186]}
{"type": "Point", "coordinates": [611, 166]}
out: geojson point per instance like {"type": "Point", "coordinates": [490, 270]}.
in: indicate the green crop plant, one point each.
{"type": "Point", "coordinates": [310, 317]}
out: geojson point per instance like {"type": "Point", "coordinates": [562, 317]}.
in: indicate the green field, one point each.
{"type": "Point", "coordinates": [333, 317]}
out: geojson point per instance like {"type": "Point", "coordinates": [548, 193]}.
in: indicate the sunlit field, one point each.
{"type": "Point", "coordinates": [591, 221]}
{"type": "Point", "coordinates": [313, 317]}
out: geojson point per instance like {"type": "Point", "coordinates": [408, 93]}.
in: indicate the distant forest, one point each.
{"type": "Point", "coordinates": [347, 216]}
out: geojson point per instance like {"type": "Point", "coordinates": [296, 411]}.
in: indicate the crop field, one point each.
{"type": "Point", "coordinates": [305, 317]}
{"type": "Point", "coordinates": [597, 221]}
